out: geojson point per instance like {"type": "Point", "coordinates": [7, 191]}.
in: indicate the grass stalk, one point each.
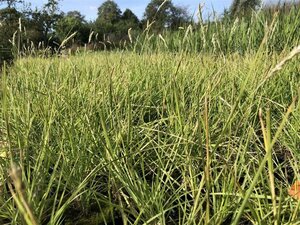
{"type": "Point", "coordinates": [208, 161]}
{"type": "Point", "coordinates": [262, 164]}
{"type": "Point", "coordinates": [267, 141]}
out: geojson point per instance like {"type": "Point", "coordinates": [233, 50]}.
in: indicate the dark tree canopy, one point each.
{"type": "Point", "coordinates": [128, 20]}
{"type": "Point", "coordinates": [9, 23]}
{"type": "Point", "coordinates": [76, 14]}
{"type": "Point", "coordinates": [50, 15]}
{"type": "Point", "coordinates": [165, 14]}
{"type": "Point", "coordinates": [128, 15]}
{"type": "Point", "coordinates": [179, 17]}
{"type": "Point", "coordinates": [9, 16]}
{"type": "Point", "coordinates": [72, 22]}
{"type": "Point", "coordinates": [109, 12]}
{"type": "Point", "coordinates": [160, 12]}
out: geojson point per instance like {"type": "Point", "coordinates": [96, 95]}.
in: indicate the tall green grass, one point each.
{"type": "Point", "coordinates": [174, 132]}
{"type": "Point", "coordinates": [111, 137]}
{"type": "Point", "coordinates": [274, 28]}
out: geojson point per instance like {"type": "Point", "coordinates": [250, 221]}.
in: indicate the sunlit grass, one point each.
{"type": "Point", "coordinates": [200, 126]}
{"type": "Point", "coordinates": [117, 137]}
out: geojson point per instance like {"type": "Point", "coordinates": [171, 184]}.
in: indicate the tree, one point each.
{"type": "Point", "coordinates": [129, 16]}
{"type": "Point", "coordinates": [9, 23]}
{"type": "Point", "coordinates": [179, 17]}
{"type": "Point", "coordinates": [243, 7]}
{"type": "Point", "coordinates": [165, 14]}
{"type": "Point", "coordinates": [72, 22]}
{"type": "Point", "coordinates": [46, 19]}
{"type": "Point", "coordinates": [128, 20]}
{"type": "Point", "coordinates": [11, 3]}
{"type": "Point", "coordinates": [109, 14]}
{"type": "Point", "coordinates": [50, 15]}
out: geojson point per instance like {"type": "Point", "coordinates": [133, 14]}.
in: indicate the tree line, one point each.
{"type": "Point", "coordinates": [47, 26]}
{"type": "Point", "coordinates": [50, 26]}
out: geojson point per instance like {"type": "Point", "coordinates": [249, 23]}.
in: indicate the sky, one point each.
{"type": "Point", "coordinates": [89, 7]}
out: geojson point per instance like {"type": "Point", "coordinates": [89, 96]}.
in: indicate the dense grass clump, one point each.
{"type": "Point", "coordinates": [148, 139]}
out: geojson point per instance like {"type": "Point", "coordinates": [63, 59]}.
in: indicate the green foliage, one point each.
{"type": "Point", "coordinates": [109, 15]}
{"type": "Point", "coordinates": [129, 16]}
{"type": "Point", "coordinates": [9, 19]}
{"type": "Point", "coordinates": [165, 14]}
{"type": "Point", "coordinates": [72, 22]}
{"type": "Point", "coordinates": [45, 19]}
{"type": "Point", "coordinates": [128, 20]}
{"type": "Point", "coordinates": [27, 29]}
{"type": "Point", "coordinates": [180, 17]}
{"type": "Point", "coordinates": [109, 12]}
{"type": "Point", "coordinates": [112, 25]}
{"type": "Point", "coordinates": [9, 24]}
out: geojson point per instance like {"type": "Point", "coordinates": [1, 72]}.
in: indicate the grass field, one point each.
{"type": "Point", "coordinates": [152, 137]}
